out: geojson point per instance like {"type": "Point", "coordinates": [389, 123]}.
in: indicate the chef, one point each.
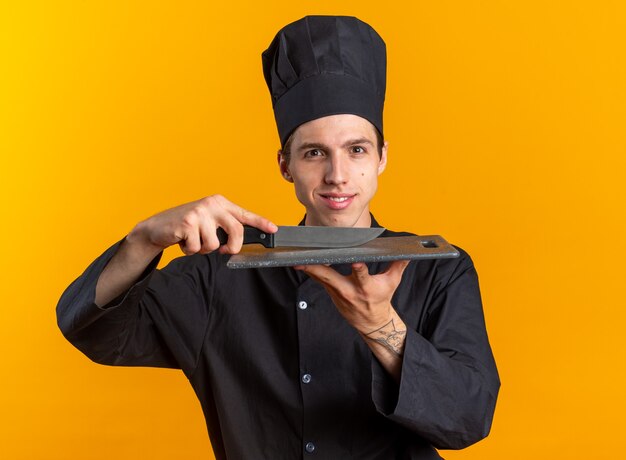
{"type": "Point", "coordinates": [360, 361]}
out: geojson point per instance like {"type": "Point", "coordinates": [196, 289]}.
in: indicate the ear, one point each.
{"type": "Point", "coordinates": [284, 167]}
{"type": "Point", "coordinates": [382, 164]}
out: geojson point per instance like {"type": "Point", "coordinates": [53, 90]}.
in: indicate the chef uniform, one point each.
{"type": "Point", "coordinates": [278, 371]}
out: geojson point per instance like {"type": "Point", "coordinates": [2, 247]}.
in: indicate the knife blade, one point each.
{"type": "Point", "coordinates": [306, 236]}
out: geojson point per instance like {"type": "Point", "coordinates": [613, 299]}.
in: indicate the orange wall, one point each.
{"type": "Point", "coordinates": [506, 129]}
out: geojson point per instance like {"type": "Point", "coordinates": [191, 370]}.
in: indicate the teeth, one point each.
{"type": "Point", "coordinates": [337, 198]}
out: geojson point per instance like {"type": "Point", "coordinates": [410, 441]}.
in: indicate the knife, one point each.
{"type": "Point", "coordinates": [307, 236]}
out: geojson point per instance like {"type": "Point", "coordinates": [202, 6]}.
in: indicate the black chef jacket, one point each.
{"type": "Point", "coordinates": [281, 375]}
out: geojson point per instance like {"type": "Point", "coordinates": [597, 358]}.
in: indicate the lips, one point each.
{"type": "Point", "coordinates": [337, 201]}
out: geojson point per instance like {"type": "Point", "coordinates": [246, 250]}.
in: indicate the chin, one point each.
{"type": "Point", "coordinates": [337, 220]}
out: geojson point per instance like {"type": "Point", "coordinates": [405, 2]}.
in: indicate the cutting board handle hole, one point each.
{"type": "Point", "coordinates": [429, 244]}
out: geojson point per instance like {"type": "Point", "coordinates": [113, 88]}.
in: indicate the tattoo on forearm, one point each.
{"type": "Point", "coordinates": [389, 337]}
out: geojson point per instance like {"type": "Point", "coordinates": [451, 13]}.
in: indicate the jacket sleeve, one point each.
{"type": "Point", "coordinates": [159, 322]}
{"type": "Point", "coordinates": [449, 381]}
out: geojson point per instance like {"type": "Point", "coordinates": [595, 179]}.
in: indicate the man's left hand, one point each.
{"type": "Point", "coordinates": [364, 300]}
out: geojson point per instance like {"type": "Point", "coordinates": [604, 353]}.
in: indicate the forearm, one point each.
{"type": "Point", "coordinates": [124, 268]}
{"type": "Point", "coordinates": [192, 226]}
{"type": "Point", "coordinates": [387, 344]}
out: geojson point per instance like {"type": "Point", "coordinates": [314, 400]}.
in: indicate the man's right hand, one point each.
{"type": "Point", "coordinates": [193, 226]}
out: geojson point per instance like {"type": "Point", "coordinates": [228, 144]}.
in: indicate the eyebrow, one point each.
{"type": "Point", "coordinates": [348, 143]}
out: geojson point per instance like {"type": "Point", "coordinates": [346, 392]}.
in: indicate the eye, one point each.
{"type": "Point", "coordinates": [358, 149]}
{"type": "Point", "coordinates": [313, 153]}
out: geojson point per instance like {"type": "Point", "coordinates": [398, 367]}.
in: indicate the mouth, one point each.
{"type": "Point", "coordinates": [337, 201]}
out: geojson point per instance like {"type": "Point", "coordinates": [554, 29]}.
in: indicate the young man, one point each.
{"type": "Point", "coordinates": [373, 361]}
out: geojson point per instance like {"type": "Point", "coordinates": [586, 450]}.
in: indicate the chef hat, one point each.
{"type": "Point", "coordinates": [325, 65]}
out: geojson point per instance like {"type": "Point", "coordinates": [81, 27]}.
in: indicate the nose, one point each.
{"type": "Point", "coordinates": [336, 170]}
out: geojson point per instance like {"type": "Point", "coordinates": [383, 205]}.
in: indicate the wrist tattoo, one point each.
{"type": "Point", "coordinates": [389, 337]}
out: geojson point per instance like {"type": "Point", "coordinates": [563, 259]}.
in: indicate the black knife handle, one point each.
{"type": "Point", "coordinates": [251, 235]}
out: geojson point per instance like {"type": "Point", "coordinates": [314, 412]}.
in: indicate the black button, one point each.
{"type": "Point", "coordinates": [310, 447]}
{"type": "Point", "coordinates": [306, 378]}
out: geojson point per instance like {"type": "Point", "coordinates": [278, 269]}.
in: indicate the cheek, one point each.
{"type": "Point", "coordinates": [369, 181]}
{"type": "Point", "coordinates": [304, 185]}
{"type": "Point", "coordinates": [305, 178]}
{"type": "Point", "coordinates": [300, 192]}
{"type": "Point", "coordinates": [369, 175]}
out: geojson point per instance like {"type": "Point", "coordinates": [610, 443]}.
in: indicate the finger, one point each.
{"type": "Point", "coordinates": [249, 218]}
{"type": "Point", "coordinates": [191, 242]}
{"type": "Point", "coordinates": [234, 229]}
{"type": "Point", "coordinates": [303, 267]}
{"type": "Point", "coordinates": [396, 269]}
{"type": "Point", "coordinates": [360, 272]}
{"type": "Point", "coordinates": [323, 274]}
{"type": "Point", "coordinates": [208, 236]}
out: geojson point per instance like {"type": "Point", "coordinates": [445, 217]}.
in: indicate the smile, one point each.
{"type": "Point", "coordinates": [337, 202]}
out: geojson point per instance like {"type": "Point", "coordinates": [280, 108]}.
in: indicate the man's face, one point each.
{"type": "Point", "coordinates": [334, 166]}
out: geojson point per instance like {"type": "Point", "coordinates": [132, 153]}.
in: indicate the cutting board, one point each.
{"type": "Point", "coordinates": [376, 250]}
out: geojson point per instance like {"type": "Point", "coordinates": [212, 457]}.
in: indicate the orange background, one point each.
{"type": "Point", "coordinates": [506, 129]}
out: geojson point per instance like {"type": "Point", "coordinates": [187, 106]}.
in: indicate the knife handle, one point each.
{"type": "Point", "coordinates": [251, 235]}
